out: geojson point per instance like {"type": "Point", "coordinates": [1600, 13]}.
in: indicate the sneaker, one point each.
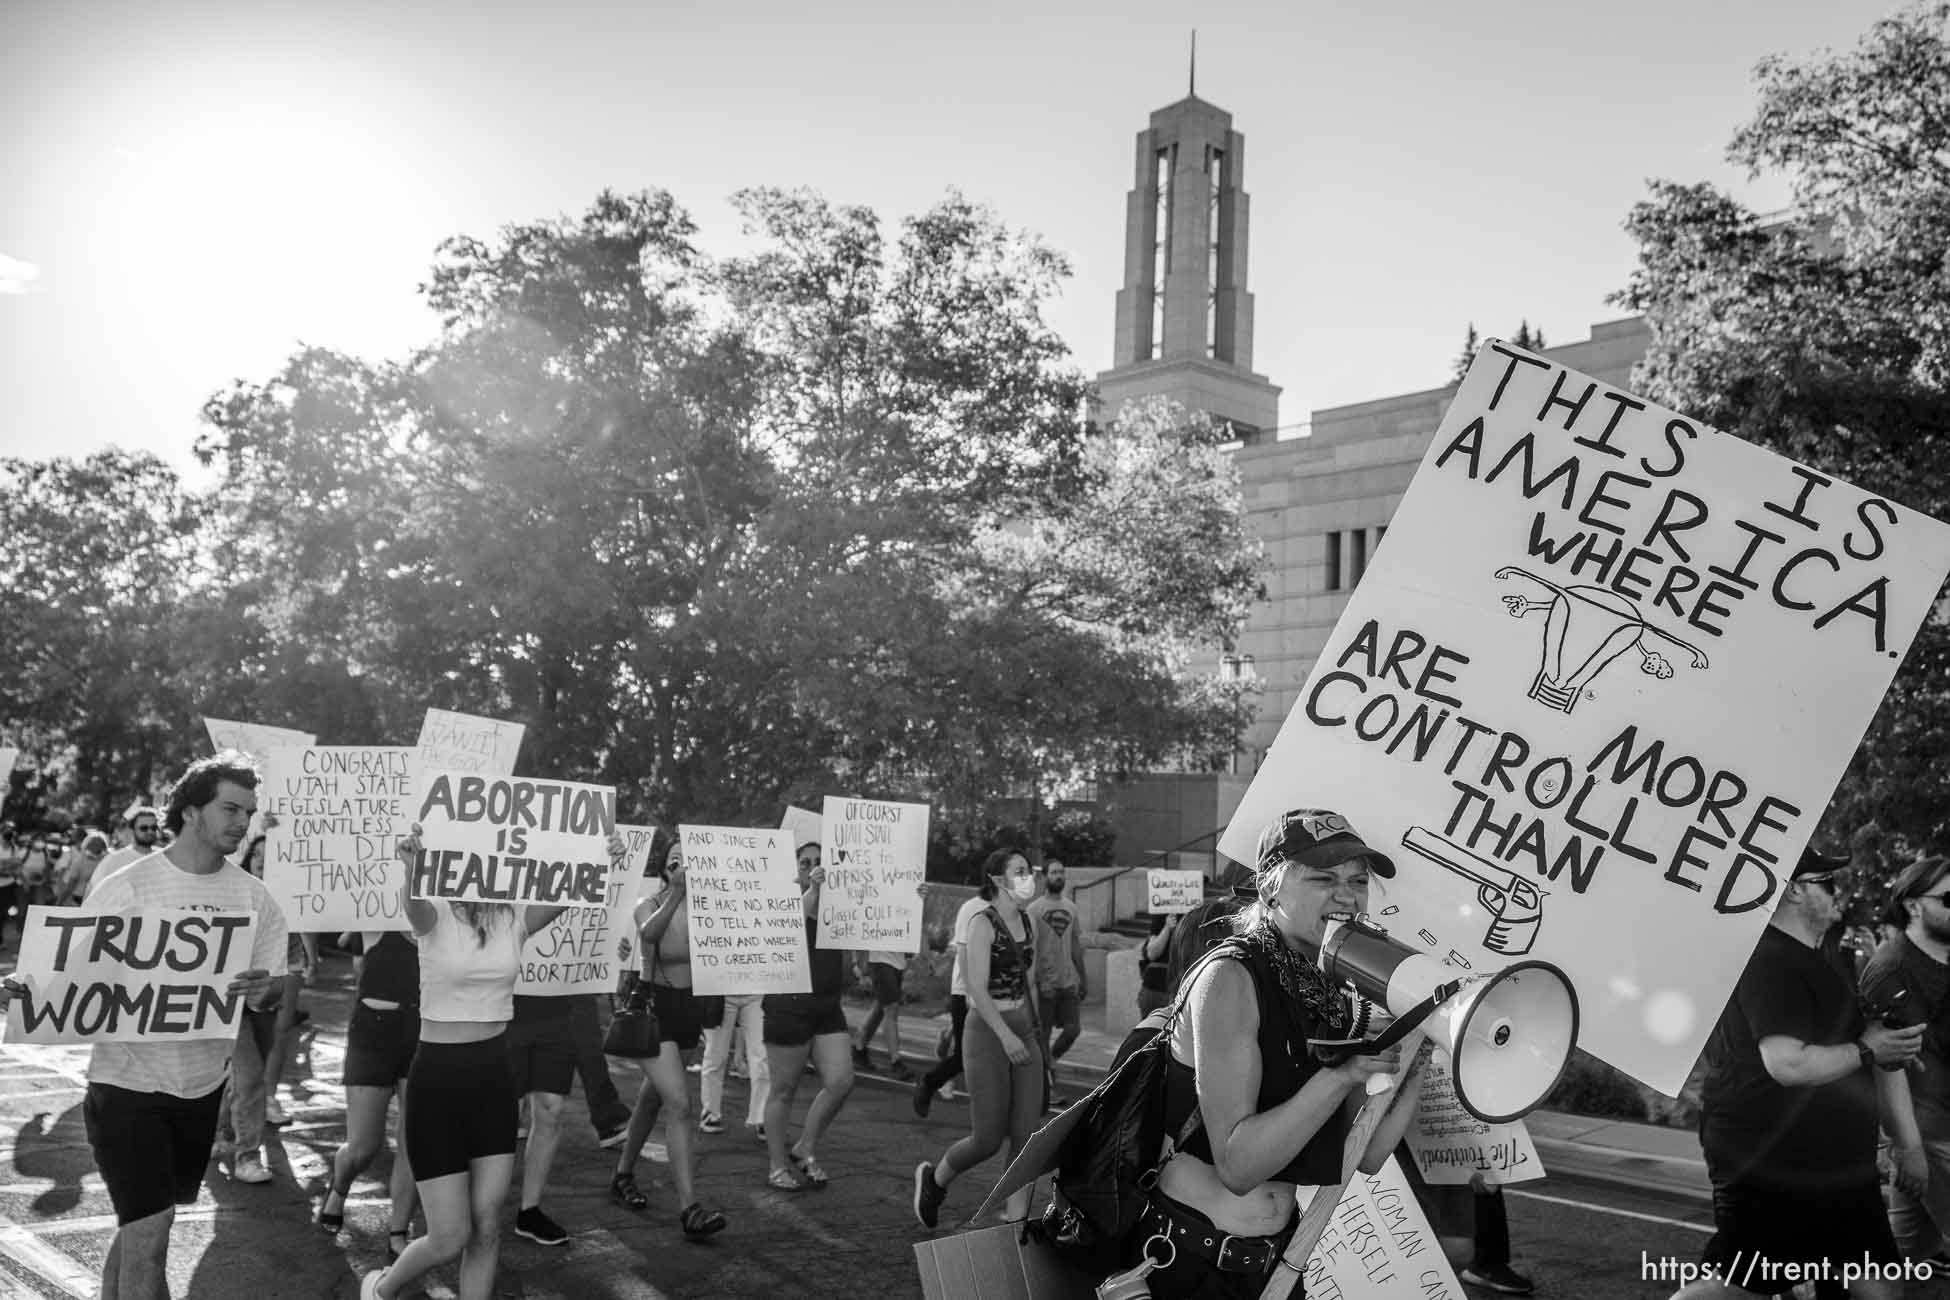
{"type": "Point", "coordinates": [862, 1058]}
{"type": "Point", "coordinates": [901, 1072]}
{"type": "Point", "coordinates": [613, 1137]}
{"type": "Point", "coordinates": [711, 1122]}
{"type": "Point", "coordinates": [274, 1113]}
{"type": "Point", "coordinates": [923, 1097]}
{"type": "Point", "coordinates": [539, 1228]}
{"type": "Point", "coordinates": [928, 1195]}
{"type": "Point", "coordinates": [1502, 1278]}
{"type": "Point", "coordinates": [756, 1130]}
{"type": "Point", "coordinates": [948, 1092]}
{"type": "Point", "coordinates": [249, 1168]}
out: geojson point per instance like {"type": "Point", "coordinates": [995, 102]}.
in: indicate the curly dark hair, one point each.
{"type": "Point", "coordinates": [198, 786]}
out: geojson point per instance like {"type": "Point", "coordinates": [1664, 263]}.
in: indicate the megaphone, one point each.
{"type": "Point", "coordinates": [1509, 1033]}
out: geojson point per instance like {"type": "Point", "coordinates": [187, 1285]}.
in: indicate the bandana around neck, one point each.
{"type": "Point", "coordinates": [1300, 979]}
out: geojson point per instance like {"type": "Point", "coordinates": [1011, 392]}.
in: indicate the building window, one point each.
{"type": "Point", "coordinates": [1359, 536]}
{"type": "Point", "coordinates": [1163, 165]}
{"type": "Point", "coordinates": [1215, 170]}
{"type": "Point", "coordinates": [1333, 561]}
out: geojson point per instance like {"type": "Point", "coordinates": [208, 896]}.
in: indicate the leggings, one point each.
{"type": "Point", "coordinates": [1004, 1100]}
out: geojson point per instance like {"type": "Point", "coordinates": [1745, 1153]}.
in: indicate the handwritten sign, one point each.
{"type": "Point", "coordinates": [1595, 691]}
{"type": "Point", "coordinates": [336, 813]}
{"type": "Point", "coordinates": [255, 740]}
{"type": "Point", "coordinates": [159, 975]}
{"type": "Point", "coordinates": [875, 855]}
{"type": "Point", "coordinates": [748, 926]}
{"type": "Point", "coordinates": [461, 742]}
{"type": "Point", "coordinates": [802, 826]}
{"type": "Point", "coordinates": [577, 952]}
{"type": "Point", "coordinates": [1378, 1246]}
{"type": "Point", "coordinates": [1173, 891]}
{"type": "Point", "coordinates": [1450, 1145]}
{"type": "Point", "coordinates": [504, 839]}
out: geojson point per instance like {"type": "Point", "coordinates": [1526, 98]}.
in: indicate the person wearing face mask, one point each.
{"type": "Point", "coordinates": [1788, 1109]}
{"type": "Point", "coordinates": [1274, 1118]}
{"type": "Point", "coordinates": [1062, 984]}
{"type": "Point", "coordinates": [1002, 1053]}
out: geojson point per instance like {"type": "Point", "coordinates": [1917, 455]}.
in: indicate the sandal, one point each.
{"type": "Point", "coordinates": [699, 1223]}
{"type": "Point", "coordinates": [333, 1223]}
{"type": "Point", "coordinates": [810, 1170]}
{"type": "Point", "coordinates": [396, 1244]}
{"type": "Point", "coordinates": [785, 1180]}
{"type": "Point", "coordinates": [624, 1191]}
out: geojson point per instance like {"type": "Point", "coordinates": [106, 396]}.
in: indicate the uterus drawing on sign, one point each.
{"type": "Point", "coordinates": [1585, 630]}
{"type": "Point", "coordinates": [1515, 905]}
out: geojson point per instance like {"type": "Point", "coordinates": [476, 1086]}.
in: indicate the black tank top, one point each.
{"type": "Point", "coordinates": [1285, 1065]}
{"type": "Point", "coordinates": [391, 971]}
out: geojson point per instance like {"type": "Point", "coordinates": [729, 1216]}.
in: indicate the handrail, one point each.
{"type": "Point", "coordinates": [1211, 873]}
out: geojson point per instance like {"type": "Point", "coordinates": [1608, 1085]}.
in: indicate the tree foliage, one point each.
{"type": "Point", "coordinates": [1826, 334]}
{"type": "Point", "coordinates": [824, 518]}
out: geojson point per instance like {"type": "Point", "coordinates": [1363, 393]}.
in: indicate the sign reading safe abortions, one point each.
{"type": "Point", "coordinates": [506, 839]}
{"type": "Point", "coordinates": [1594, 692]}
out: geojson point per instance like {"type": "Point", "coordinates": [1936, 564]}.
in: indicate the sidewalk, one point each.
{"type": "Point", "coordinates": [1663, 1162]}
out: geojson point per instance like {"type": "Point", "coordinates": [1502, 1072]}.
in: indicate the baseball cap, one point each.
{"type": "Point", "coordinates": [1315, 837]}
{"type": "Point", "coordinates": [1818, 866]}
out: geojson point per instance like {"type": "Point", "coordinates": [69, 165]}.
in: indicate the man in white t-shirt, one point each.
{"type": "Point", "coordinates": [152, 1107]}
{"type": "Point", "coordinates": [941, 1078]}
{"type": "Point", "coordinates": [145, 824]}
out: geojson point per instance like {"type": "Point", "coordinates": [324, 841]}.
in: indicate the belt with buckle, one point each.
{"type": "Point", "coordinates": [1225, 1252]}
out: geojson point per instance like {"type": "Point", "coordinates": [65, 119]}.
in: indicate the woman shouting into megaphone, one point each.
{"type": "Point", "coordinates": [1273, 1118]}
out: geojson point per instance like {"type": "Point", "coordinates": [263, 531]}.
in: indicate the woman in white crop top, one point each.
{"type": "Point", "coordinates": [460, 1091]}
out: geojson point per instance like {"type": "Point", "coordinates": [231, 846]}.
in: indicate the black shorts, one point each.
{"type": "Point", "coordinates": [886, 983]}
{"type": "Point", "coordinates": [680, 1015]}
{"type": "Point", "coordinates": [460, 1106]}
{"type": "Point", "coordinates": [379, 1045]}
{"type": "Point", "coordinates": [150, 1147]}
{"type": "Point", "coordinates": [795, 1019]}
{"type": "Point", "coordinates": [1769, 1236]}
{"type": "Point", "coordinates": [542, 1053]}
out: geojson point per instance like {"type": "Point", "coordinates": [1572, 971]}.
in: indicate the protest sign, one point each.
{"type": "Point", "coordinates": [1594, 692]}
{"type": "Point", "coordinates": [461, 742]}
{"type": "Point", "coordinates": [251, 738]}
{"type": "Point", "coordinates": [8, 757]}
{"type": "Point", "coordinates": [747, 920]}
{"type": "Point", "coordinates": [159, 975]}
{"type": "Point", "coordinates": [1173, 891]}
{"type": "Point", "coordinates": [504, 839]}
{"type": "Point", "coordinates": [1450, 1145]}
{"type": "Point", "coordinates": [577, 951]}
{"type": "Point", "coordinates": [335, 815]}
{"type": "Point", "coordinates": [1378, 1246]}
{"type": "Point", "coordinates": [875, 855]}
{"type": "Point", "coordinates": [638, 843]}
{"type": "Point", "coordinates": [801, 825]}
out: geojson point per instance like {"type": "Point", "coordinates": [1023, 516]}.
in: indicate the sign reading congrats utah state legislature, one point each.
{"type": "Point", "coordinates": [1595, 691]}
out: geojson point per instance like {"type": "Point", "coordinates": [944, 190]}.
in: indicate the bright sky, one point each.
{"type": "Point", "coordinates": [192, 189]}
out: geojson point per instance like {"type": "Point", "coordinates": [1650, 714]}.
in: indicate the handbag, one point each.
{"type": "Point", "coordinates": [633, 1030]}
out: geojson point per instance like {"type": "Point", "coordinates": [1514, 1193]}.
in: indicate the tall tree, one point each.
{"type": "Point", "coordinates": [1826, 335]}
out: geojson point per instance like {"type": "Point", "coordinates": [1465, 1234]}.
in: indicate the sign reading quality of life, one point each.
{"type": "Point", "coordinates": [1594, 692]}
{"type": "Point", "coordinates": [1378, 1246]}
{"type": "Point", "coordinates": [875, 855]}
{"type": "Point", "coordinates": [160, 975]}
{"type": "Point", "coordinates": [1450, 1145]}
{"type": "Point", "coordinates": [505, 839]}
{"type": "Point", "coordinates": [337, 812]}
{"type": "Point", "coordinates": [577, 951]}
{"type": "Point", "coordinates": [747, 918]}
{"type": "Point", "coordinates": [1173, 891]}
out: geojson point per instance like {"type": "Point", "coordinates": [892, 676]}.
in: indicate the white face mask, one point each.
{"type": "Point", "coordinates": [1023, 890]}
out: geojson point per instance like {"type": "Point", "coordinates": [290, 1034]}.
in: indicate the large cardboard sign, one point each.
{"type": "Point", "coordinates": [876, 856]}
{"type": "Point", "coordinates": [461, 742]}
{"type": "Point", "coordinates": [159, 975]}
{"type": "Point", "coordinates": [1450, 1145]}
{"type": "Point", "coordinates": [254, 739]}
{"type": "Point", "coordinates": [1378, 1246]}
{"type": "Point", "coordinates": [802, 824]}
{"type": "Point", "coordinates": [1595, 691]}
{"type": "Point", "coordinates": [336, 812]}
{"type": "Point", "coordinates": [747, 920]}
{"type": "Point", "coordinates": [504, 839]}
{"type": "Point", "coordinates": [1173, 891]}
{"type": "Point", "coordinates": [577, 951]}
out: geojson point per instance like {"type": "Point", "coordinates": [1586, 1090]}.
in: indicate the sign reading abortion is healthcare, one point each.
{"type": "Point", "coordinates": [506, 839]}
{"type": "Point", "coordinates": [1594, 692]}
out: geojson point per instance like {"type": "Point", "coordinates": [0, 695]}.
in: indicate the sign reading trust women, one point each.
{"type": "Point", "coordinates": [513, 839]}
{"type": "Point", "coordinates": [875, 855]}
{"type": "Point", "coordinates": [1595, 690]}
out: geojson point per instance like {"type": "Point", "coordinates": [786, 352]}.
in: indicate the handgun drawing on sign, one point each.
{"type": "Point", "coordinates": [1515, 905]}
{"type": "Point", "coordinates": [1595, 623]}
